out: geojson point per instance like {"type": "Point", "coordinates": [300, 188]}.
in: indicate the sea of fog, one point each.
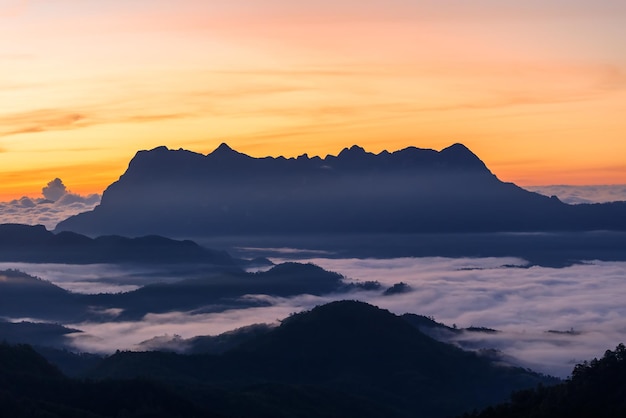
{"type": "Point", "coordinates": [549, 318]}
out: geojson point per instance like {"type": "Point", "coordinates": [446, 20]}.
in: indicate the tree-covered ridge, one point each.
{"type": "Point", "coordinates": [597, 388]}
{"type": "Point", "coordinates": [30, 387]}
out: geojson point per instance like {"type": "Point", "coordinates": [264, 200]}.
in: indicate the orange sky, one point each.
{"type": "Point", "coordinates": [537, 89]}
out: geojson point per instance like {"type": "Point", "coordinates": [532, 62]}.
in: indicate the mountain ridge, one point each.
{"type": "Point", "coordinates": [228, 193]}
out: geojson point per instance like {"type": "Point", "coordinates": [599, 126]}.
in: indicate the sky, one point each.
{"type": "Point", "coordinates": [537, 89]}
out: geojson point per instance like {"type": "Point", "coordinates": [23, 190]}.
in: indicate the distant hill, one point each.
{"type": "Point", "coordinates": [36, 244]}
{"type": "Point", "coordinates": [343, 359]}
{"type": "Point", "coordinates": [181, 193]}
{"type": "Point", "coordinates": [25, 296]}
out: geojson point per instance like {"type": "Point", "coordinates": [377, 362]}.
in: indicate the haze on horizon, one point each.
{"type": "Point", "coordinates": [536, 89]}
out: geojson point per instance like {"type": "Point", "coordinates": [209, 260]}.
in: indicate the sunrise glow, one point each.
{"type": "Point", "coordinates": [537, 89]}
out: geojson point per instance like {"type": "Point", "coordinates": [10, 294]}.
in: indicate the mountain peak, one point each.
{"type": "Point", "coordinates": [459, 155]}
{"type": "Point", "coordinates": [225, 151]}
{"type": "Point", "coordinates": [223, 148]}
{"type": "Point", "coordinates": [353, 151]}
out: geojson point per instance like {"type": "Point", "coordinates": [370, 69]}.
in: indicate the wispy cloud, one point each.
{"type": "Point", "coordinates": [44, 120]}
{"type": "Point", "coordinates": [93, 278]}
{"type": "Point", "coordinates": [41, 120]}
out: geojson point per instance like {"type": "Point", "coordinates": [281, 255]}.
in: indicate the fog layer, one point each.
{"type": "Point", "coordinates": [549, 318]}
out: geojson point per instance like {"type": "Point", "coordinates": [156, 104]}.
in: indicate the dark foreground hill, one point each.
{"type": "Point", "coordinates": [181, 193]}
{"type": "Point", "coordinates": [596, 389]}
{"type": "Point", "coordinates": [344, 359]}
{"type": "Point", "coordinates": [30, 387]}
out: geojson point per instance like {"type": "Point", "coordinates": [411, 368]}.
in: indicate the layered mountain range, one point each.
{"type": "Point", "coordinates": [225, 193]}
{"type": "Point", "coordinates": [25, 296]}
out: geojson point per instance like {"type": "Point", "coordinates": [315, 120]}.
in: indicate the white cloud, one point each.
{"type": "Point", "coordinates": [38, 211]}
{"type": "Point", "coordinates": [127, 335]}
{"type": "Point", "coordinates": [54, 190]}
{"type": "Point", "coordinates": [96, 278]}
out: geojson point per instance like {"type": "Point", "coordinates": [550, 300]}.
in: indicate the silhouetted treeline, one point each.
{"type": "Point", "coordinates": [30, 388]}
{"type": "Point", "coordinates": [596, 389]}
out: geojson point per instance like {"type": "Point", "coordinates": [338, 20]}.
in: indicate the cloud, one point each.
{"type": "Point", "coordinates": [57, 204]}
{"type": "Point", "coordinates": [583, 194]}
{"type": "Point", "coordinates": [523, 303]}
{"type": "Point", "coordinates": [41, 120]}
{"type": "Point", "coordinates": [54, 190]}
{"type": "Point", "coordinates": [104, 337]}
{"type": "Point", "coordinates": [98, 278]}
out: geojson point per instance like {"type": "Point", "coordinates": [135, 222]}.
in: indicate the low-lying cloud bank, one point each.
{"type": "Point", "coordinates": [56, 205]}
{"type": "Point", "coordinates": [45, 212]}
{"type": "Point", "coordinates": [90, 278]}
{"type": "Point", "coordinates": [582, 303]}
{"type": "Point", "coordinates": [583, 194]}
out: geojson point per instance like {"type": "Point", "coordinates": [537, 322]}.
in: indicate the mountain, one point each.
{"type": "Point", "coordinates": [343, 359]}
{"type": "Point", "coordinates": [36, 244]}
{"type": "Point", "coordinates": [227, 193]}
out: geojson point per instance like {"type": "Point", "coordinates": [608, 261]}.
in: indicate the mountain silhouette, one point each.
{"type": "Point", "coordinates": [226, 193]}
{"type": "Point", "coordinates": [36, 244]}
{"type": "Point", "coordinates": [372, 359]}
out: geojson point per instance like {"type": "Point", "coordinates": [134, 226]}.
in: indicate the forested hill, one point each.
{"type": "Point", "coordinates": [343, 359]}
{"type": "Point", "coordinates": [596, 389]}
{"type": "Point", "coordinates": [30, 387]}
